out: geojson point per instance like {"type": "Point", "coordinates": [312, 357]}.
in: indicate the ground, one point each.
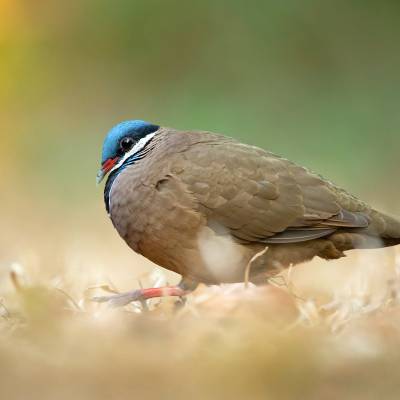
{"type": "Point", "coordinates": [324, 330]}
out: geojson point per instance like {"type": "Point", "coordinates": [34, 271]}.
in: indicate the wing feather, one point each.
{"type": "Point", "coordinates": [264, 198]}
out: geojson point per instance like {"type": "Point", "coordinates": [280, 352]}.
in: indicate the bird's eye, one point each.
{"type": "Point", "coordinates": [126, 144]}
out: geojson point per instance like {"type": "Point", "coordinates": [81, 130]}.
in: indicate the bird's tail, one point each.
{"type": "Point", "coordinates": [385, 227]}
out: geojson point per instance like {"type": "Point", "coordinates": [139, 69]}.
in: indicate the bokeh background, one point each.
{"type": "Point", "coordinates": [315, 81]}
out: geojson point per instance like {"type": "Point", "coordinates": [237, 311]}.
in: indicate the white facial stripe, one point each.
{"type": "Point", "coordinates": [136, 148]}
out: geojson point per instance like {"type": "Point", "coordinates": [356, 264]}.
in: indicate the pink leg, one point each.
{"type": "Point", "coordinates": [122, 299]}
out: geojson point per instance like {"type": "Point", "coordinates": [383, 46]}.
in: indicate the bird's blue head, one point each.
{"type": "Point", "coordinates": [123, 141]}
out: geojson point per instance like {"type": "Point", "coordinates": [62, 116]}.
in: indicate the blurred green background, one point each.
{"type": "Point", "coordinates": [315, 81]}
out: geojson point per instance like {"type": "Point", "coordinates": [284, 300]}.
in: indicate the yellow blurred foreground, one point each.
{"type": "Point", "coordinates": [321, 331]}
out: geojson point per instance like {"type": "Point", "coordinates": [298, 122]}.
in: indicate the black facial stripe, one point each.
{"type": "Point", "coordinates": [137, 156]}
{"type": "Point", "coordinates": [107, 188]}
{"type": "Point", "coordinates": [129, 161]}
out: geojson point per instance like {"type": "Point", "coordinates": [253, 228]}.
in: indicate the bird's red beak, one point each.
{"type": "Point", "coordinates": [106, 167]}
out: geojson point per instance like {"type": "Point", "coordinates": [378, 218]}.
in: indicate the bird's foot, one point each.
{"type": "Point", "coordinates": [122, 299]}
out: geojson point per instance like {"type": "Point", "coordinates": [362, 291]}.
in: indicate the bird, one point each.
{"type": "Point", "coordinates": [216, 210]}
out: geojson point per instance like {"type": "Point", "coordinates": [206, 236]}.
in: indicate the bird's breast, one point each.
{"type": "Point", "coordinates": [156, 217]}
{"type": "Point", "coordinates": [161, 220]}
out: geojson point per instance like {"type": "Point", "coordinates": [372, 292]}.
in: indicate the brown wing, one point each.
{"type": "Point", "coordinates": [262, 197]}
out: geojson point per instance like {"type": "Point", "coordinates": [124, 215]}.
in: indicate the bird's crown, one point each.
{"type": "Point", "coordinates": [125, 138]}
{"type": "Point", "coordinates": [135, 129]}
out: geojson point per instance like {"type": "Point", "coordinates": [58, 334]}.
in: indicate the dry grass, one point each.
{"type": "Point", "coordinates": [321, 331]}
{"type": "Point", "coordinates": [294, 339]}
